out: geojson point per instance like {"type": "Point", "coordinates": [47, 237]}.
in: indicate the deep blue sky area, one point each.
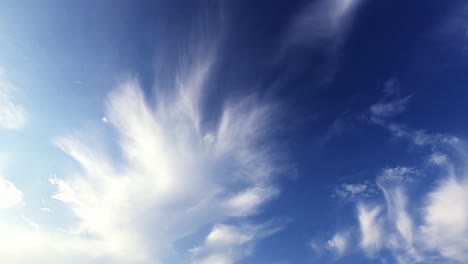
{"type": "Point", "coordinates": [222, 132]}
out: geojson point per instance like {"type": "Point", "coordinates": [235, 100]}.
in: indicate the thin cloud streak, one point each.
{"type": "Point", "coordinates": [12, 115]}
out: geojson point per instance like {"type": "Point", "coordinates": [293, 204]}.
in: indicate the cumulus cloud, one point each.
{"type": "Point", "coordinates": [12, 115]}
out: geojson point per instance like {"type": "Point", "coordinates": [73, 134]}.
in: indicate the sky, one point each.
{"type": "Point", "coordinates": [223, 132]}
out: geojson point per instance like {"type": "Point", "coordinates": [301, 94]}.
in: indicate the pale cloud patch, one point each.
{"type": "Point", "coordinates": [227, 244]}
{"type": "Point", "coordinates": [371, 228]}
{"type": "Point", "coordinates": [338, 243]}
{"type": "Point", "coordinates": [324, 25]}
{"type": "Point", "coordinates": [391, 104]}
{"type": "Point", "coordinates": [416, 137]}
{"type": "Point", "coordinates": [400, 230]}
{"type": "Point", "coordinates": [248, 201]}
{"type": "Point", "coordinates": [323, 22]}
{"type": "Point", "coordinates": [398, 175]}
{"type": "Point", "coordinates": [439, 158]}
{"type": "Point", "coordinates": [10, 196]}
{"type": "Point", "coordinates": [12, 115]}
{"type": "Point", "coordinates": [390, 108]}
{"type": "Point", "coordinates": [352, 190]}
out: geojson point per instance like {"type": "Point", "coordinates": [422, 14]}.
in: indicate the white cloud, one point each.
{"type": "Point", "coordinates": [227, 244]}
{"type": "Point", "coordinates": [339, 243]}
{"type": "Point", "coordinates": [248, 201]}
{"type": "Point", "coordinates": [391, 105]}
{"type": "Point", "coordinates": [416, 137]}
{"type": "Point", "coordinates": [400, 229]}
{"type": "Point", "coordinates": [316, 246]}
{"type": "Point", "coordinates": [398, 175]}
{"type": "Point", "coordinates": [171, 173]}
{"type": "Point", "coordinates": [352, 190]}
{"type": "Point", "coordinates": [391, 88]}
{"type": "Point", "coordinates": [389, 108]}
{"type": "Point", "coordinates": [173, 177]}
{"type": "Point", "coordinates": [12, 115]}
{"type": "Point", "coordinates": [10, 196]}
{"type": "Point", "coordinates": [64, 192]}
{"type": "Point", "coordinates": [445, 227]}
{"type": "Point", "coordinates": [439, 158]}
{"type": "Point", "coordinates": [371, 228]}
{"type": "Point", "coordinates": [436, 232]}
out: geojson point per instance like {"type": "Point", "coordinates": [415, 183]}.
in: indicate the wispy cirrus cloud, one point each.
{"type": "Point", "coordinates": [174, 177]}
{"type": "Point", "coordinates": [371, 228]}
{"type": "Point", "coordinates": [323, 22]}
{"type": "Point", "coordinates": [11, 196]}
{"type": "Point", "coordinates": [12, 115]}
{"type": "Point", "coordinates": [389, 108]}
{"type": "Point", "coordinates": [227, 244]}
{"type": "Point", "coordinates": [391, 105]}
{"type": "Point", "coordinates": [323, 25]}
{"type": "Point", "coordinates": [436, 232]}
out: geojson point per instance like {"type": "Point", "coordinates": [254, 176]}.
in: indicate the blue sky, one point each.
{"type": "Point", "coordinates": [222, 132]}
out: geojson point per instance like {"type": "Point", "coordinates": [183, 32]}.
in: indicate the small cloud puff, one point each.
{"type": "Point", "coordinates": [351, 191]}
{"type": "Point", "coordinates": [398, 175]}
{"type": "Point", "coordinates": [438, 158]}
{"type": "Point", "coordinates": [338, 243]}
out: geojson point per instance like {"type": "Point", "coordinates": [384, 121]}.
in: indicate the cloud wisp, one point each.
{"type": "Point", "coordinates": [175, 176]}
{"type": "Point", "coordinates": [436, 232]}
{"type": "Point", "coordinates": [227, 244]}
{"type": "Point", "coordinates": [12, 115]}
{"type": "Point", "coordinates": [323, 22]}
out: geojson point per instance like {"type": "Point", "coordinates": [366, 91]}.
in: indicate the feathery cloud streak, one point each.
{"type": "Point", "coordinates": [172, 169]}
